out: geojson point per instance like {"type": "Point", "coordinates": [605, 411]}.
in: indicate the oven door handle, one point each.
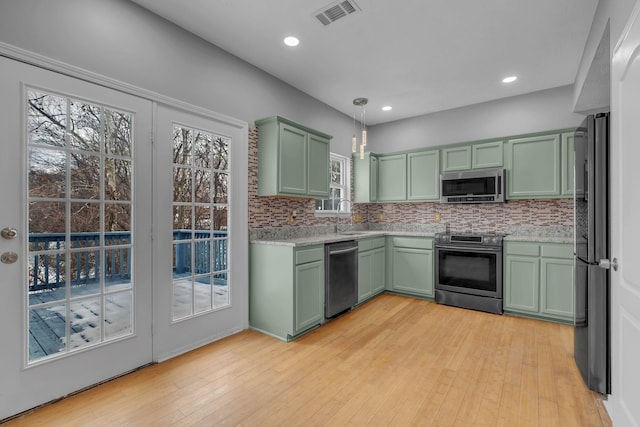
{"type": "Point", "coordinates": [470, 249]}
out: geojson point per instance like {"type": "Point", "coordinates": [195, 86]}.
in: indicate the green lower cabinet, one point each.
{"type": "Point", "coordinates": [538, 280]}
{"type": "Point", "coordinates": [556, 288]}
{"type": "Point", "coordinates": [371, 259]}
{"type": "Point", "coordinates": [286, 289]}
{"type": "Point", "coordinates": [411, 265]}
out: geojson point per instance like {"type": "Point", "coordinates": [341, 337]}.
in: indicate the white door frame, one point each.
{"type": "Point", "coordinates": [623, 403]}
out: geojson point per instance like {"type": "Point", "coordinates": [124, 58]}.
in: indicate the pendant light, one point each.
{"type": "Point", "coordinates": [359, 102]}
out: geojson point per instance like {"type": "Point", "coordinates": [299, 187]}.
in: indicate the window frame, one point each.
{"type": "Point", "coordinates": [345, 186]}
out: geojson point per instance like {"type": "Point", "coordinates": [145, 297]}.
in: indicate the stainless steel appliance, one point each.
{"type": "Point", "coordinates": [340, 277]}
{"type": "Point", "coordinates": [469, 270]}
{"type": "Point", "coordinates": [485, 186]}
{"type": "Point", "coordinates": [591, 264]}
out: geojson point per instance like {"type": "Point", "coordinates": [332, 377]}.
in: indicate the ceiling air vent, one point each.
{"type": "Point", "coordinates": [335, 11]}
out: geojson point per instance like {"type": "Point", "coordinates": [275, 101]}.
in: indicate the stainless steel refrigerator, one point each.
{"type": "Point", "coordinates": [591, 263]}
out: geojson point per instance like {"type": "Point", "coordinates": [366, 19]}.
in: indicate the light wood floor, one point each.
{"type": "Point", "coordinates": [393, 361]}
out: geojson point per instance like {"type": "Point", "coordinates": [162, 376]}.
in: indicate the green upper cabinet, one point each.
{"type": "Point", "coordinates": [318, 166]}
{"type": "Point", "coordinates": [456, 158]}
{"type": "Point", "coordinates": [293, 160]}
{"type": "Point", "coordinates": [392, 178]}
{"type": "Point", "coordinates": [365, 172]}
{"type": "Point", "coordinates": [533, 165]}
{"type": "Point", "coordinates": [487, 155]}
{"type": "Point", "coordinates": [423, 175]}
{"type": "Point", "coordinates": [567, 166]}
{"type": "Point", "coordinates": [472, 156]}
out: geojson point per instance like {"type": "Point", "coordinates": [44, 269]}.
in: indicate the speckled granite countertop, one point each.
{"type": "Point", "coordinates": [318, 235]}
{"type": "Point", "coordinates": [543, 234]}
{"type": "Point", "coordinates": [305, 236]}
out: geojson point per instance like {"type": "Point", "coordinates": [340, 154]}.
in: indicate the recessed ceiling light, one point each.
{"type": "Point", "coordinates": [387, 108]}
{"type": "Point", "coordinates": [510, 79]}
{"type": "Point", "coordinates": [291, 41]}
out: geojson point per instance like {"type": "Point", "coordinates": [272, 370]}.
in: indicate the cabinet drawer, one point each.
{"type": "Point", "coordinates": [552, 250]}
{"type": "Point", "coordinates": [372, 243]}
{"type": "Point", "coordinates": [518, 248]}
{"type": "Point", "coordinates": [314, 253]}
{"type": "Point", "coordinates": [413, 242]}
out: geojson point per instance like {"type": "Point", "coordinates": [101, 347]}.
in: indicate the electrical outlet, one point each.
{"type": "Point", "coordinates": [381, 216]}
{"type": "Point", "coordinates": [437, 217]}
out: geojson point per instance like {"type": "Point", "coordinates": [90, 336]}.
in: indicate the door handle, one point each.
{"type": "Point", "coordinates": [606, 264]}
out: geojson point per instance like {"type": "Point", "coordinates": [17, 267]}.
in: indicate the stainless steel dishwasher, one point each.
{"type": "Point", "coordinates": [340, 277]}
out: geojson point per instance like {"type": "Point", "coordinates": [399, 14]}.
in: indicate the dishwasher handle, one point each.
{"type": "Point", "coordinates": [342, 251]}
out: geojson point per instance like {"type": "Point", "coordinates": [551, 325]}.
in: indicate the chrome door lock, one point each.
{"type": "Point", "coordinates": [9, 233]}
{"type": "Point", "coordinates": [9, 257]}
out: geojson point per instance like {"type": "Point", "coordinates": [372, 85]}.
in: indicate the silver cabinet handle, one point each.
{"type": "Point", "coordinates": [9, 257]}
{"type": "Point", "coordinates": [606, 264]}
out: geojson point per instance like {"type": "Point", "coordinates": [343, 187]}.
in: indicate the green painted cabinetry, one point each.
{"type": "Point", "coordinates": [371, 267]}
{"type": "Point", "coordinates": [566, 167]}
{"type": "Point", "coordinates": [286, 289]}
{"type": "Point", "coordinates": [487, 155]}
{"type": "Point", "coordinates": [410, 265]}
{"type": "Point", "coordinates": [538, 280]}
{"type": "Point", "coordinates": [392, 178]}
{"type": "Point", "coordinates": [423, 175]}
{"type": "Point", "coordinates": [472, 156]}
{"type": "Point", "coordinates": [456, 158]}
{"type": "Point", "coordinates": [293, 160]}
{"type": "Point", "coordinates": [533, 166]}
{"type": "Point", "coordinates": [365, 172]}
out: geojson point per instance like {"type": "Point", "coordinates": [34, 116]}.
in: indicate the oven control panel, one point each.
{"type": "Point", "coordinates": [469, 239]}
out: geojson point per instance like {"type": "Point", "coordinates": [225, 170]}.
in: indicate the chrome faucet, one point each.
{"type": "Point", "coordinates": [340, 202]}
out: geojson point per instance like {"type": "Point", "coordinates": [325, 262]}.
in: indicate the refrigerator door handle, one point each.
{"type": "Point", "coordinates": [606, 264]}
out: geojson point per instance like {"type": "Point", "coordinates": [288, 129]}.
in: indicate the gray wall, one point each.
{"type": "Point", "coordinates": [120, 40]}
{"type": "Point", "coordinates": [534, 112]}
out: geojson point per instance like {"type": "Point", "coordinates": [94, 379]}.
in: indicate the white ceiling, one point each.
{"type": "Point", "coordinates": [419, 56]}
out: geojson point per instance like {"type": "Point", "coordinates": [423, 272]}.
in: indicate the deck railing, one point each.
{"type": "Point", "coordinates": [48, 270]}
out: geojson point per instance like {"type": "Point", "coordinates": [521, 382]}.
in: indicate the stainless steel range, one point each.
{"type": "Point", "coordinates": [469, 270]}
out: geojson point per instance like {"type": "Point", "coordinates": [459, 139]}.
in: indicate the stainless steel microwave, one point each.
{"type": "Point", "coordinates": [486, 186]}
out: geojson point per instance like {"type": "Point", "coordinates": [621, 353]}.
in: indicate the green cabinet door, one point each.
{"type": "Point", "coordinates": [292, 159]}
{"type": "Point", "coordinates": [377, 270]}
{"type": "Point", "coordinates": [533, 167]}
{"type": "Point", "coordinates": [309, 288]}
{"type": "Point", "coordinates": [567, 165]}
{"type": "Point", "coordinates": [423, 178]}
{"type": "Point", "coordinates": [365, 276]}
{"type": "Point", "coordinates": [556, 288]}
{"type": "Point", "coordinates": [412, 271]}
{"type": "Point", "coordinates": [318, 166]}
{"type": "Point", "coordinates": [487, 155]}
{"type": "Point", "coordinates": [521, 290]}
{"type": "Point", "coordinates": [392, 178]}
{"type": "Point", "coordinates": [456, 158]}
{"type": "Point", "coordinates": [365, 175]}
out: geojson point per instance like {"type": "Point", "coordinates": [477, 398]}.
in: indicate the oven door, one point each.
{"type": "Point", "coordinates": [469, 270]}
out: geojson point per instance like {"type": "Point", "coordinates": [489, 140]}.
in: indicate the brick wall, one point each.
{"type": "Point", "coordinates": [276, 211]}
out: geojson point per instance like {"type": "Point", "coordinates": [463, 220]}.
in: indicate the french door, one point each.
{"type": "Point", "coordinates": [201, 243]}
{"type": "Point", "coordinates": [75, 276]}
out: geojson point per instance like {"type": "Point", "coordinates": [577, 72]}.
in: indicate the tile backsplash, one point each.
{"type": "Point", "coordinates": [278, 211]}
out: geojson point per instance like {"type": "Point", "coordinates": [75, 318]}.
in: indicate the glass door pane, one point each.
{"type": "Point", "coordinates": [200, 221]}
{"type": "Point", "coordinates": [80, 288]}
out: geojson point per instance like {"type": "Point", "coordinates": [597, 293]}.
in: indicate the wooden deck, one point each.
{"type": "Point", "coordinates": [393, 361]}
{"type": "Point", "coordinates": [47, 325]}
